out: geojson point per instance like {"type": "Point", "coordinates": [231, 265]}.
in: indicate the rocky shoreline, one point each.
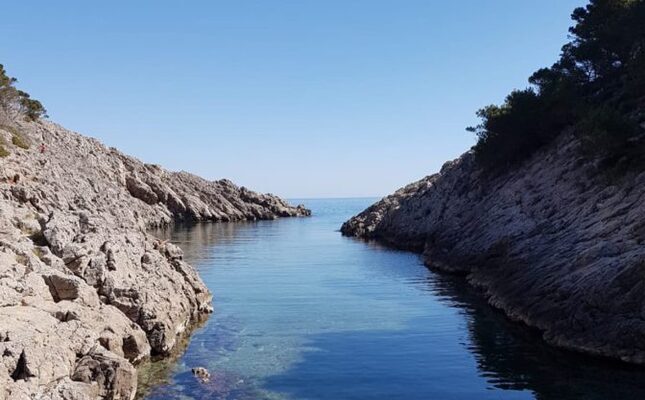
{"type": "Point", "coordinates": [556, 243]}
{"type": "Point", "coordinates": [86, 293]}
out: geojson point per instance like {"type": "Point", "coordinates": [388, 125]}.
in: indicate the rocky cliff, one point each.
{"type": "Point", "coordinates": [556, 243]}
{"type": "Point", "coordinates": [85, 292]}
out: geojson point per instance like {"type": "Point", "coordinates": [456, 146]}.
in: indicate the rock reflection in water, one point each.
{"type": "Point", "coordinates": [510, 355]}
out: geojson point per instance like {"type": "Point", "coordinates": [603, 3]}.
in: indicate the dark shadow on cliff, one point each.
{"type": "Point", "coordinates": [507, 355]}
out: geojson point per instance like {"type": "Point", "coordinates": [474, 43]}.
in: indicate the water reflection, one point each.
{"type": "Point", "coordinates": [302, 313]}
{"type": "Point", "coordinates": [510, 355]}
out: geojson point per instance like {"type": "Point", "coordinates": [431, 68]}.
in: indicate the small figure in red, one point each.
{"type": "Point", "coordinates": [42, 148]}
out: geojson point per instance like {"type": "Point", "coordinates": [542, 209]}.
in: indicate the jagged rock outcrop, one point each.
{"type": "Point", "coordinates": [85, 292]}
{"type": "Point", "coordinates": [557, 243]}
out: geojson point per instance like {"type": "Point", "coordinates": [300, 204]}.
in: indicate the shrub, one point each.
{"type": "Point", "coordinates": [20, 141]}
{"type": "Point", "coordinates": [608, 134]}
{"type": "Point", "coordinates": [513, 131]}
{"type": "Point", "coordinates": [3, 151]}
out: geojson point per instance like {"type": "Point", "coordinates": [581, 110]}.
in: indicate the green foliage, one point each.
{"type": "Point", "coordinates": [3, 151]}
{"type": "Point", "coordinates": [32, 109]}
{"type": "Point", "coordinates": [15, 102]}
{"type": "Point", "coordinates": [20, 141]}
{"type": "Point", "coordinates": [597, 87]}
{"type": "Point", "coordinates": [612, 135]}
{"type": "Point", "coordinates": [510, 132]}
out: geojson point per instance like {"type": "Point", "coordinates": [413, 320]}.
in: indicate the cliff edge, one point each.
{"type": "Point", "coordinates": [555, 243]}
{"type": "Point", "coordinates": [85, 291]}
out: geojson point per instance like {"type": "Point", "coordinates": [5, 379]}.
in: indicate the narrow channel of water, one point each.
{"type": "Point", "coordinates": [304, 313]}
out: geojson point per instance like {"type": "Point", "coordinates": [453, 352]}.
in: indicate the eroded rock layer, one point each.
{"type": "Point", "coordinates": [557, 243]}
{"type": "Point", "coordinates": [85, 291]}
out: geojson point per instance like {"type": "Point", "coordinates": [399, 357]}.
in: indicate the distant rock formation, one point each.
{"type": "Point", "coordinates": [556, 243]}
{"type": "Point", "coordinates": [85, 291]}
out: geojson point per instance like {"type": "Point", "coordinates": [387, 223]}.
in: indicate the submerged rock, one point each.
{"type": "Point", "coordinates": [554, 243]}
{"type": "Point", "coordinates": [201, 373]}
{"type": "Point", "coordinates": [85, 291]}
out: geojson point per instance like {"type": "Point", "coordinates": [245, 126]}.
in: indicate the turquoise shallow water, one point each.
{"type": "Point", "coordinates": [304, 313]}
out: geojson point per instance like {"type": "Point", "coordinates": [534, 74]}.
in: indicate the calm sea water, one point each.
{"type": "Point", "coordinates": [304, 313]}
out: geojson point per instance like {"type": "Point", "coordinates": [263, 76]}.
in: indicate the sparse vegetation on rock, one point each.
{"type": "Point", "coordinates": [20, 141]}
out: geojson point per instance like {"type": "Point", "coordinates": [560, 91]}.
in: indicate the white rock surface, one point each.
{"type": "Point", "coordinates": [85, 291]}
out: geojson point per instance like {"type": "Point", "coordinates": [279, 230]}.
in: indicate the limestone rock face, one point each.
{"type": "Point", "coordinates": [556, 243]}
{"type": "Point", "coordinates": [85, 291]}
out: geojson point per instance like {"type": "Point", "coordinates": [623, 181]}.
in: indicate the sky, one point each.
{"type": "Point", "coordinates": [327, 98]}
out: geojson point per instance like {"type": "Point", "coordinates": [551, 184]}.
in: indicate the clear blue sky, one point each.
{"type": "Point", "coordinates": [306, 98]}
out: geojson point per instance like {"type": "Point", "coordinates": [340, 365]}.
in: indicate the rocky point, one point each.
{"type": "Point", "coordinates": [86, 292]}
